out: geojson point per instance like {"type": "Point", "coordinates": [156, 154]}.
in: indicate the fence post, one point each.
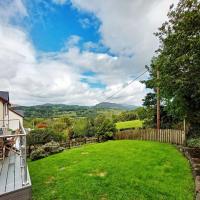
{"type": "Point", "coordinates": [184, 134]}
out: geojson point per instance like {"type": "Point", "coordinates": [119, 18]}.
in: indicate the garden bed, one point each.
{"type": "Point", "coordinates": [193, 155]}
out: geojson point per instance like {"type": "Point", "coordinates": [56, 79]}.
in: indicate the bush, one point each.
{"type": "Point", "coordinates": [52, 147]}
{"type": "Point", "coordinates": [109, 135]}
{"type": "Point", "coordinates": [126, 116]}
{"type": "Point", "coordinates": [42, 136]}
{"type": "Point", "coordinates": [38, 153]}
{"type": "Point", "coordinates": [80, 127]}
{"type": "Point", "coordinates": [194, 142]}
{"type": "Point", "coordinates": [101, 127]}
{"type": "Point", "coordinates": [194, 131]}
{"type": "Point", "coordinates": [42, 125]}
{"type": "Point", "coordinates": [45, 150]}
{"type": "Point", "coordinates": [104, 128]}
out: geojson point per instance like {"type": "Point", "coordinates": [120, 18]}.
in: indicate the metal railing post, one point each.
{"type": "Point", "coordinates": [25, 180]}
{"type": "Point", "coordinates": [23, 156]}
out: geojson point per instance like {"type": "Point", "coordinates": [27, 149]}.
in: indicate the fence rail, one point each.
{"type": "Point", "coordinates": [79, 141]}
{"type": "Point", "coordinates": [163, 135]}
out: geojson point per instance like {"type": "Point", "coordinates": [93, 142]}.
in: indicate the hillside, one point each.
{"type": "Point", "coordinates": [115, 106]}
{"type": "Point", "coordinates": [54, 110]}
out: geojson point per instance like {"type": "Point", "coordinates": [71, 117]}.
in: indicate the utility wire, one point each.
{"type": "Point", "coordinates": [124, 86]}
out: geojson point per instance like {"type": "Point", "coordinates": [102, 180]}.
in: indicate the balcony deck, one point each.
{"type": "Point", "coordinates": [11, 179]}
{"type": "Point", "coordinates": [12, 174]}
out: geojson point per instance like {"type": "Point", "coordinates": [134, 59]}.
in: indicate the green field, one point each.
{"type": "Point", "coordinates": [129, 124]}
{"type": "Point", "coordinates": [114, 170]}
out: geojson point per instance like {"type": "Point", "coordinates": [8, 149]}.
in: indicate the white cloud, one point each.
{"type": "Point", "coordinates": [33, 77]}
{"type": "Point", "coordinates": [85, 22]}
{"type": "Point", "coordinates": [73, 40]}
{"type": "Point", "coordinates": [11, 9]}
{"type": "Point", "coordinates": [127, 27]}
{"type": "Point", "coordinates": [53, 77]}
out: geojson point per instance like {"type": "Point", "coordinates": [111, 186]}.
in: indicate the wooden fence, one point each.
{"type": "Point", "coordinates": [163, 135]}
{"type": "Point", "coordinates": [79, 141]}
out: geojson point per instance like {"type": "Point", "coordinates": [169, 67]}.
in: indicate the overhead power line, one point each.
{"type": "Point", "coordinates": [124, 86]}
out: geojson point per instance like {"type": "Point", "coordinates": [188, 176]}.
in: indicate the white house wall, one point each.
{"type": "Point", "coordinates": [1, 113]}
{"type": "Point", "coordinates": [14, 120]}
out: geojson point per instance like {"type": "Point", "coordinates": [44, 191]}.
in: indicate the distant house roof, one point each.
{"type": "Point", "coordinates": [4, 96]}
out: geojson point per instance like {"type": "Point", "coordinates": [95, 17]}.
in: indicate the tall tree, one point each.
{"type": "Point", "coordinates": [178, 61]}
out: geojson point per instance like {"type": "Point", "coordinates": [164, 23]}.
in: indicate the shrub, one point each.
{"type": "Point", "coordinates": [194, 131]}
{"type": "Point", "coordinates": [42, 136]}
{"type": "Point", "coordinates": [80, 127]}
{"type": "Point", "coordinates": [126, 116]}
{"type": "Point", "coordinates": [194, 142]}
{"type": "Point", "coordinates": [108, 135]}
{"type": "Point", "coordinates": [101, 127]}
{"type": "Point", "coordinates": [52, 147]}
{"type": "Point", "coordinates": [42, 125]}
{"type": "Point", "coordinates": [45, 150]}
{"type": "Point", "coordinates": [104, 128]}
{"type": "Point", "coordinates": [38, 153]}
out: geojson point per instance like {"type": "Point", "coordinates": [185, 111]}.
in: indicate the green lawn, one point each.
{"type": "Point", "coordinates": [114, 170]}
{"type": "Point", "coordinates": [129, 124]}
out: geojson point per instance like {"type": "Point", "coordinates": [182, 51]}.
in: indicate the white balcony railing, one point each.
{"type": "Point", "coordinates": [19, 135]}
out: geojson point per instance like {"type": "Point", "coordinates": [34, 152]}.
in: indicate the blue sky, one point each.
{"type": "Point", "coordinates": [77, 51]}
{"type": "Point", "coordinates": [52, 25]}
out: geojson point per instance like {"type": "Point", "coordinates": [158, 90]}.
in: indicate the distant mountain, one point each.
{"type": "Point", "coordinates": [109, 105]}
{"type": "Point", "coordinates": [53, 110]}
{"type": "Point", "coordinates": [50, 110]}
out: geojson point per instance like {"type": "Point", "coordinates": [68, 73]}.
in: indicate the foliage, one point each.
{"type": "Point", "coordinates": [194, 130]}
{"type": "Point", "coordinates": [48, 111]}
{"type": "Point", "coordinates": [45, 150]}
{"type": "Point", "coordinates": [100, 127]}
{"type": "Point", "coordinates": [42, 125]}
{"type": "Point", "coordinates": [66, 121]}
{"type": "Point", "coordinates": [178, 62]}
{"type": "Point", "coordinates": [129, 124]}
{"type": "Point", "coordinates": [80, 127]}
{"type": "Point", "coordinates": [149, 113]}
{"type": "Point", "coordinates": [90, 128]}
{"type": "Point", "coordinates": [193, 142]}
{"type": "Point", "coordinates": [42, 136]}
{"type": "Point", "coordinates": [141, 113]}
{"type": "Point", "coordinates": [104, 128]}
{"type": "Point", "coordinates": [38, 153]}
{"type": "Point", "coordinates": [125, 116]}
{"type": "Point", "coordinates": [114, 170]}
{"type": "Point", "coordinates": [70, 133]}
{"type": "Point", "coordinates": [60, 124]}
{"type": "Point", "coordinates": [52, 147]}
